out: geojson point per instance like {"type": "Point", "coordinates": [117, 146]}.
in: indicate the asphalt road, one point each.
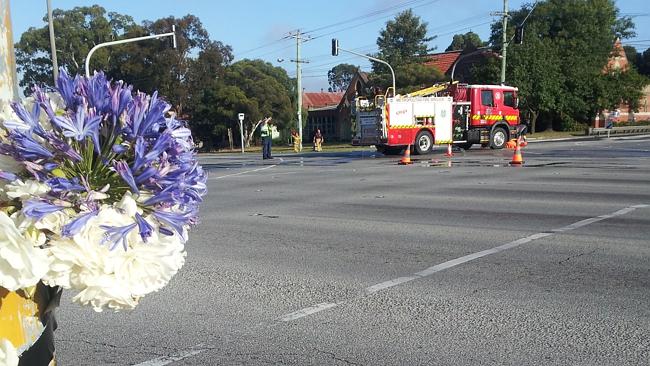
{"type": "Point", "coordinates": [350, 259]}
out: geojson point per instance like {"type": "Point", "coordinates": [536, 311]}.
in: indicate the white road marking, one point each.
{"type": "Point", "coordinates": [455, 262]}
{"type": "Point", "coordinates": [245, 172]}
{"type": "Point", "coordinates": [308, 311]}
{"type": "Point", "coordinates": [165, 360]}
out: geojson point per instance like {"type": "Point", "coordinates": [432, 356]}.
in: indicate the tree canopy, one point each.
{"type": "Point", "coordinates": [469, 40]}
{"type": "Point", "coordinates": [403, 43]}
{"type": "Point", "coordinates": [560, 67]}
{"type": "Point", "coordinates": [339, 77]}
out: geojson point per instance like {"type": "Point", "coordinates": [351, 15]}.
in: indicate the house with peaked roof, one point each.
{"type": "Point", "coordinates": [322, 113]}
{"type": "Point", "coordinates": [331, 112]}
{"type": "Point", "coordinates": [464, 60]}
{"type": "Point", "coordinates": [618, 62]}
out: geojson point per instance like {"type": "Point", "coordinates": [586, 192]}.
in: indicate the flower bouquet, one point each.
{"type": "Point", "coordinates": [98, 188]}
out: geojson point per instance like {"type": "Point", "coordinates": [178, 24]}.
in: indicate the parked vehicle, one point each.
{"type": "Point", "coordinates": [479, 114]}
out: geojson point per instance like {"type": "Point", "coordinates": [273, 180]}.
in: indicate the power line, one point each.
{"type": "Point", "coordinates": [373, 13]}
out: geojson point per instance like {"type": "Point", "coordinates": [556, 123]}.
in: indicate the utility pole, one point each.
{"type": "Point", "coordinates": [504, 42]}
{"type": "Point", "coordinates": [299, 39]}
{"type": "Point", "coordinates": [55, 65]}
{"type": "Point", "coordinates": [8, 76]}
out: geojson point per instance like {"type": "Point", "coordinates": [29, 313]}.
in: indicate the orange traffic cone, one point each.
{"type": "Point", "coordinates": [406, 159]}
{"type": "Point", "coordinates": [449, 153]}
{"type": "Point", "coordinates": [517, 158]}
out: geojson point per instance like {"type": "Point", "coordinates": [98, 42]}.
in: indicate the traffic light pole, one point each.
{"type": "Point", "coordinates": [336, 49]}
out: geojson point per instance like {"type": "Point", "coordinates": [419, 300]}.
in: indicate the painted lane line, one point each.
{"type": "Point", "coordinates": [384, 285]}
{"type": "Point", "coordinates": [455, 262]}
{"type": "Point", "coordinates": [246, 172]}
{"type": "Point", "coordinates": [165, 360]}
{"type": "Point", "coordinates": [307, 311]}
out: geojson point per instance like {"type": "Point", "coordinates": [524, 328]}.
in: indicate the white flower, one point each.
{"type": "Point", "coordinates": [27, 189]}
{"type": "Point", "coordinates": [8, 353]}
{"type": "Point", "coordinates": [21, 264]}
{"type": "Point", "coordinates": [53, 221]}
{"type": "Point", "coordinates": [118, 278]}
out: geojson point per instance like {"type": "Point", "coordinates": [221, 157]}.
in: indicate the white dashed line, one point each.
{"type": "Point", "coordinates": [455, 262]}
{"type": "Point", "coordinates": [165, 360]}
{"type": "Point", "coordinates": [308, 311]}
{"type": "Point", "coordinates": [245, 172]}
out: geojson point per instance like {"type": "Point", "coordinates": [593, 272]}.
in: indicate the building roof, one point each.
{"type": "Point", "coordinates": [321, 99]}
{"type": "Point", "coordinates": [443, 61]}
{"type": "Point", "coordinates": [617, 58]}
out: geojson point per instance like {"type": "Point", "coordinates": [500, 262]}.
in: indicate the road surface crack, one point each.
{"type": "Point", "coordinates": [576, 256]}
{"type": "Point", "coordinates": [333, 356]}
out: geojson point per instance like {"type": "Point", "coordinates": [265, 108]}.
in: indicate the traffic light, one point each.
{"type": "Point", "coordinates": [519, 34]}
{"type": "Point", "coordinates": [335, 47]}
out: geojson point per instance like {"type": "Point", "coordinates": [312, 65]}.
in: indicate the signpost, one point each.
{"type": "Point", "coordinates": [241, 130]}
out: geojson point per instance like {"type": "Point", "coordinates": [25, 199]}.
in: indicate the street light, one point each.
{"type": "Point", "coordinates": [128, 40]}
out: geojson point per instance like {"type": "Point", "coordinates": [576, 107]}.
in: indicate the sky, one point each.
{"type": "Point", "coordinates": [259, 29]}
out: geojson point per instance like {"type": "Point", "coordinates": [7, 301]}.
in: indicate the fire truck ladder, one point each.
{"type": "Point", "coordinates": [430, 90]}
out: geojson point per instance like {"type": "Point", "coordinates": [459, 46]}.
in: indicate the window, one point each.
{"type": "Point", "coordinates": [509, 99]}
{"type": "Point", "coordinates": [486, 98]}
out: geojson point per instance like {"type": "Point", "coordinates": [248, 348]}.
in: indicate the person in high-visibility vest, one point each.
{"type": "Point", "coordinates": [296, 140]}
{"type": "Point", "coordinates": [265, 131]}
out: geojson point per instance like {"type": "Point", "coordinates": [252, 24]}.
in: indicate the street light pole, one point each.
{"type": "Point", "coordinates": [504, 42]}
{"type": "Point", "coordinates": [128, 40]}
{"type": "Point", "coordinates": [299, 39]}
{"type": "Point", "coordinates": [299, 77]}
{"type": "Point", "coordinates": [55, 65]}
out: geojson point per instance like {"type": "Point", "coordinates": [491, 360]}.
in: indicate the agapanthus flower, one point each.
{"type": "Point", "coordinates": [98, 166]}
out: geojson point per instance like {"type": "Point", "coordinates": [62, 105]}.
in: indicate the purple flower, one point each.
{"type": "Point", "coordinates": [144, 227]}
{"type": "Point", "coordinates": [139, 153]}
{"type": "Point", "coordinates": [146, 175]}
{"type": "Point", "coordinates": [76, 224]}
{"type": "Point", "coordinates": [8, 176]}
{"type": "Point", "coordinates": [117, 235]}
{"type": "Point", "coordinates": [63, 147]}
{"type": "Point", "coordinates": [38, 209]}
{"type": "Point", "coordinates": [120, 97]}
{"type": "Point", "coordinates": [95, 90]}
{"type": "Point", "coordinates": [174, 220]}
{"type": "Point", "coordinates": [81, 127]}
{"type": "Point", "coordinates": [27, 148]}
{"type": "Point", "coordinates": [68, 88]}
{"type": "Point", "coordinates": [59, 185]}
{"type": "Point", "coordinates": [124, 171]}
{"type": "Point", "coordinates": [28, 121]}
{"type": "Point", "coordinates": [119, 149]}
{"type": "Point", "coordinates": [161, 144]}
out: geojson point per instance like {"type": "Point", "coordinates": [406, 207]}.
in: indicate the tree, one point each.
{"type": "Point", "coordinates": [403, 43]}
{"type": "Point", "coordinates": [559, 68]}
{"type": "Point", "coordinates": [469, 40]}
{"type": "Point", "coordinates": [339, 76]}
{"type": "Point", "coordinates": [77, 31]}
{"type": "Point", "coordinates": [253, 87]}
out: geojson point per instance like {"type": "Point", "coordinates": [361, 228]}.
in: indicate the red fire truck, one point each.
{"type": "Point", "coordinates": [478, 114]}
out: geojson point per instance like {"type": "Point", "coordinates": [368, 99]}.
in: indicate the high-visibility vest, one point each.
{"type": "Point", "coordinates": [265, 130]}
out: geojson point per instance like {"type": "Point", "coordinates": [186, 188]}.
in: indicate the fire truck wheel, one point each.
{"type": "Point", "coordinates": [423, 143]}
{"type": "Point", "coordinates": [498, 138]}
